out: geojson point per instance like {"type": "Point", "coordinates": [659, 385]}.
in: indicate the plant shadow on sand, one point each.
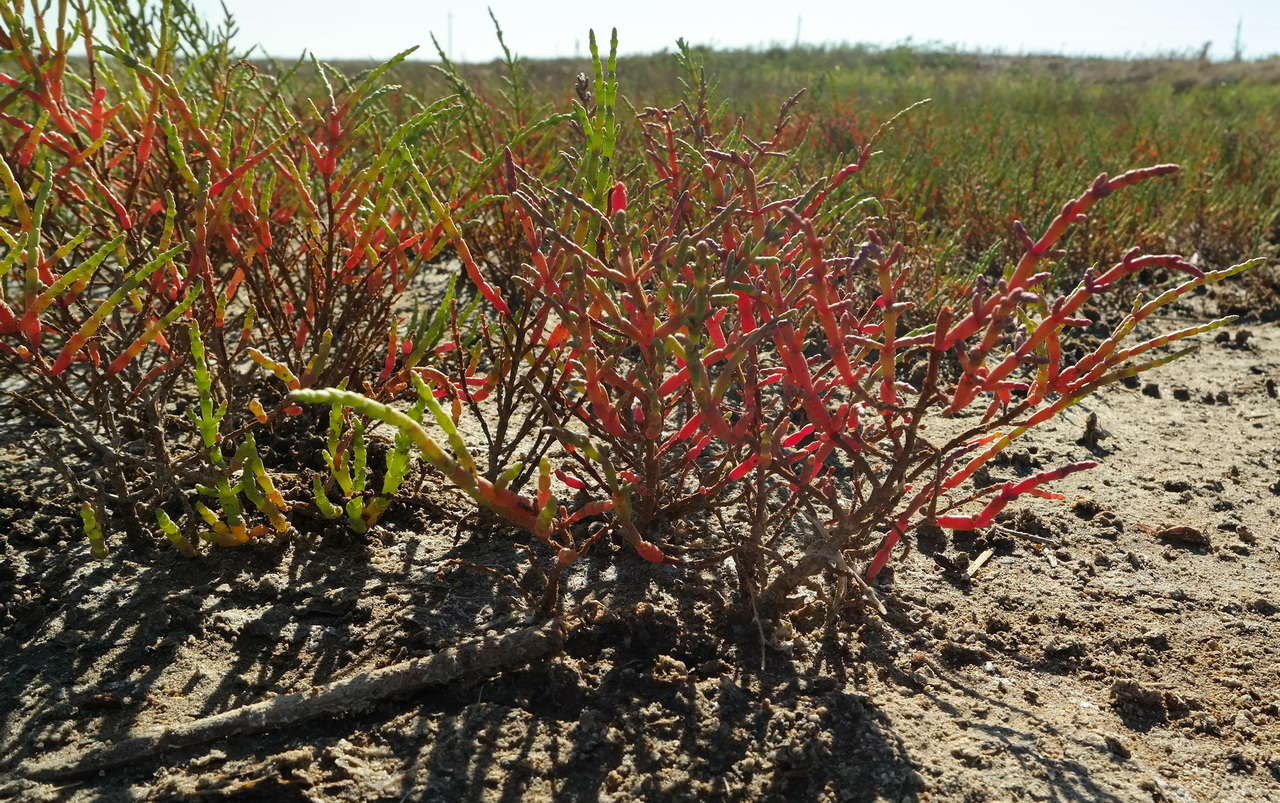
{"type": "Point", "coordinates": [653, 678]}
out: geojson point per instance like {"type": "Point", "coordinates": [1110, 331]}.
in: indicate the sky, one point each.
{"type": "Point", "coordinates": [376, 29]}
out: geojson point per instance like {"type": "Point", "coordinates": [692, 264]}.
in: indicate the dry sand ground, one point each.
{"type": "Point", "coordinates": [1094, 661]}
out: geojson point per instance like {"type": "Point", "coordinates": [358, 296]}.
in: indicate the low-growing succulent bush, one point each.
{"type": "Point", "coordinates": [711, 333]}
{"type": "Point", "coordinates": [186, 238]}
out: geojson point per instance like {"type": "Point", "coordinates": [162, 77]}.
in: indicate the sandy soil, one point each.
{"type": "Point", "coordinates": [1090, 657]}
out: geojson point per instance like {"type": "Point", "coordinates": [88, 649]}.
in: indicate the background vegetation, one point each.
{"type": "Point", "coordinates": [1004, 138]}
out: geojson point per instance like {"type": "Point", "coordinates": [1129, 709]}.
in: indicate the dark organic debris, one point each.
{"type": "Point", "coordinates": [1184, 536]}
{"type": "Point", "coordinates": [1093, 432]}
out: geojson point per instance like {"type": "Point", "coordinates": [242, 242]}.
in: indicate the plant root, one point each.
{"type": "Point", "coordinates": [472, 659]}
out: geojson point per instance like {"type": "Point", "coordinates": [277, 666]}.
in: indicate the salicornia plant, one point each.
{"type": "Point", "coordinates": [713, 331]}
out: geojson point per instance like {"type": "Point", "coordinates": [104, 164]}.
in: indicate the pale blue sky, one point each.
{"type": "Point", "coordinates": [377, 28]}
